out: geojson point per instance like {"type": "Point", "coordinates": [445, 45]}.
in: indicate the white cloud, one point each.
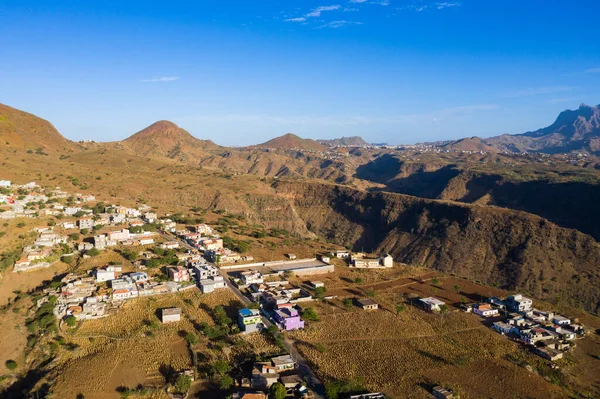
{"type": "Point", "coordinates": [358, 1]}
{"type": "Point", "coordinates": [534, 91]}
{"type": "Point", "coordinates": [317, 11]}
{"type": "Point", "coordinates": [446, 5]}
{"type": "Point", "coordinates": [418, 7]}
{"type": "Point", "coordinates": [339, 24]}
{"type": "Point", "coordinates": [593, 70]}
{"type": "Point", "coordinates": [299, 19]}
{"type": "Point", "coordinates": [162, 79]}
{"type": "Point", "coordinates": [381, 2]}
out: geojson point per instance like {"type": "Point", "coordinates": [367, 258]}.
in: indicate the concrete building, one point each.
{"type": "Point", "coordinates": [248, 320]}
{"type": "Point", "coordinates": [431, 304]}
{"type": "Point", "coordinates": [171, 315]}
{"type": "Point", "coordinates": [518, 303]}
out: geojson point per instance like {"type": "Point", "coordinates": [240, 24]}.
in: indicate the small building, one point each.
{"type": "Point", "coordinates": [291, 256]}
{"type": "Point", "coordinates": [288, 318]}
{"type": "Point", "coordinates": [248, 320]}
{"type": "Point", "coordinates": [560, 320]}
{"type": "Point", "coordinates": [548, 353]}
{"type": "Point", "coordinates": [171, 315]}
{"type": "Point", "coordinates": [179, 274]}
{"type": "Point", "coordinates": [212, 283]}
{"type": "Point", "coordinates": [85, 223]}
{"type": "Point", "coordinates": [283, 363]}
{"type": "Point", "coordinates": [291, 381]}
{"type": "Point", "coordinates": [251, 277]}
{"type": "Point", "coordinates": [139, 277]}
{"type": "Point", "coordinates": [386, 260]}
{"type": "Point", "coordinates": [431, 304]}
{"type": "Point", "coordinates": [368, 304]}
{"type": "Point", "coordinates": [503, 328]}
{"type": "Point", "coordinates": [442, 393]}
{"type": "Point", "coordinates": [342, 254]}
{"type": "Point", "coordinates": [316, 284]}
{"type": "Point", "coordinates": [518, 303]}
{"type": "Point", "coordinates": [485, 310]}
{"type": "Point", "coordinates": [103, 275]}
{"type": "Point", "coordinates": [374, 395]}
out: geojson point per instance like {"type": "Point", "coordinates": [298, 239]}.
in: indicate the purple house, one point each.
{"type": "Point", "coordinates": [287, 318]}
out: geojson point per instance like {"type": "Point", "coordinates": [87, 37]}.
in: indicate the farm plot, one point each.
{"type": "Point", "coordinates": [401, 367]}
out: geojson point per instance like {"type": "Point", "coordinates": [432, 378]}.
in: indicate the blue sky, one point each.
{"type": "Point", "coordinates": [242, 72]}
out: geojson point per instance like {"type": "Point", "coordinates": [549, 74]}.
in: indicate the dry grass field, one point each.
{"type": "Point", "coordinates": [132, 347]}
{"type": "Point", "coordinates": [405, 353]}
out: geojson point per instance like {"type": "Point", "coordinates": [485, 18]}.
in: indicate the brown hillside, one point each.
{"type": "Point", "coordinates": [292, 142]}
{"type": "Point", "coordinates": [166, 139]}
{"type": "Point", "coordinates": [469, 144]}
{"type": "Point", "coordinates": [512, 249]}
{"type": "Point", "coordinates": [22, 130]}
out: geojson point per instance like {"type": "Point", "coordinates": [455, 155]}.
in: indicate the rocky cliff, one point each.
{"type": "Point", "coordinates": [511, 249]}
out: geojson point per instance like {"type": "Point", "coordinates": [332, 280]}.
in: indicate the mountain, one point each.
{"type": "Point", "coordinates": [292, 142]}
{"type": "Point", "coordinates": [511, 249]}
{"type": "Point", "coordinates": [166, 139]}
{"type": "Point", "coordinates": [473, 144]}
{"type": "Point", "coordinates": [573, 131]}
{"type": "Point", "coordinates": [353, 141]}
{"type": "Point", "coordinates": [22, 130]}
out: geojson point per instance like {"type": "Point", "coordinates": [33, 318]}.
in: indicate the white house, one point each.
{"type": "Point", "coordinates": [485, 310]}
{"type": "Point", "coordinates": [5, 183]}
{"type": "Point", "coordinates": [431, 304]}
{"type": "Point", "coordinates": [251, 277]}
{"type": "Point", "coordinates": [560, 320]}
{"type": "Point", "coordinates": [212, 283]}
{"type": "Point", "coordinates": [386, 260]}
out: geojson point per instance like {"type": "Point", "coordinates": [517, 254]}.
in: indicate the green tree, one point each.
{"type": "Point", "coordinates": [371, 293]}
{"type": "Point", "coordinates": [74, 237]}
{"type": "Point", "coordinates": [225, 382]}
{"type": "Point", "coordinates": [358, 280]}
{"type": "Point", "coordinates": [68, 260]}
{"type": "Point", "coordinates": [191, 338]}
{"type": "Point", "coordinates": [400, 309]}
{"type": "Point", "coordinates": [310, 314]}
{"type": "Point", "coordinates": [457, 288]}
{"type": "Point", "coordinates": [10, 364]}
{"type": "Point", "coordinates": [320, 292]}
{"type": "Point", "coordinates": [220, 367]}
{"type": "Point", "coordinates": [277, 391]}
{"type": "Point", "coordinates": [435, 281]}
{"type": "Point", "coordinates": [348, 303]}
{"type": "Point", "coordinates": [93, 252]}
{"type": "Point", "coordinates": [84, 231]}
{"type": "Point", "coordinates": [183, 384]}
{"type": "Point", "coordinates": [71, 321]}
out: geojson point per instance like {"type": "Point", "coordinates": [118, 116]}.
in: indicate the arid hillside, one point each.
{"type": "Point", "coordinates": [507, 248]}
{"type": "Point", "coordinates": [23, 131]}
{"type": "Point", "coordinates": [166, 139]}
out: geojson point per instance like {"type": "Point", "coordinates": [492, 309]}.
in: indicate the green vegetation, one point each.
{"type": "Point", "coordinates": [277, 391]}
{"type": "Point", "coordinates": [93, 252]}
{"type": "Point", "coordinates": [71, 321]}
{"type": "Point", "coordinates": [310, 314]}
{"type": "Point", "coordinates": [183, 384]}
{"type": "Point", "coordinates": [343, 388]}
{"type": "Point", "coordinates": [11, 364]}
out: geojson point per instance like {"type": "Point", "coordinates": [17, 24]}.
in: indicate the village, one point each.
{"type": "Point", "coordinates": [176, 258]}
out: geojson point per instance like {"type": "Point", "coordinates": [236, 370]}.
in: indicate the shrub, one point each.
{"type": "Point", "coordinates": [183, 384]}
{"type": "Point", "coordinates": [71, 321]}
{"type": "Point", "coordinates": [310, 314]}
{"type": "Point", "coordinates": [358, 280]}
{"type": "Point", "coordinates": [277, 391]}
{"type": "Point", "coordinates": [11, 364]}
{"type": "Point", "coordinates": [93, 252]}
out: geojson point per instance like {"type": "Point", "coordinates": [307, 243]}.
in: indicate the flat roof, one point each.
{"type": "Point", "coordinates": [367, 302]}
{"type": "Point", "coordinates": [248, 312]}
{"type": "Point", "coordinates": [432, 300]}
{"type": "Point", "coordinates": [285, 359]}
{"type": "Point", "coordinates": [171, 311]}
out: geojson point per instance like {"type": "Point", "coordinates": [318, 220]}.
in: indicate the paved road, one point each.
{"type": "Point", "coordinates": [303, 366]}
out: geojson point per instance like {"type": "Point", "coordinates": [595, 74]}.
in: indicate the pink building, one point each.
{"type": "Point", "coordinates": [179, 274]}
{"type": "Point", "coordinates": [121, 235]}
